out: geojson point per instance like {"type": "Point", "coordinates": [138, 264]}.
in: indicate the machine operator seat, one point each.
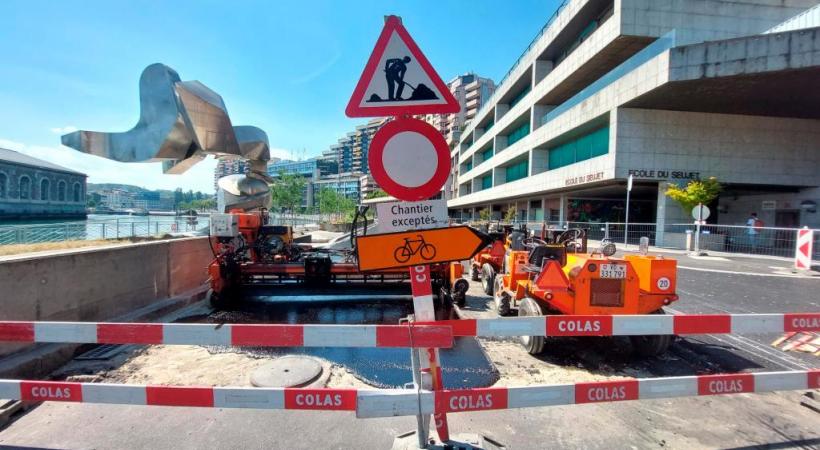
{"type": "Point", "coordinates": [555, 252]}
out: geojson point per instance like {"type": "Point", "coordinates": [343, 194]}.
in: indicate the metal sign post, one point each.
{"type": "Point", "coordinates": [700, 213]}
{"type": "Point", "coordinates": [626, 223]}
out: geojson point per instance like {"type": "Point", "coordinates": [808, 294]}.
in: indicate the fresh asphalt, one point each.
{"type": "Point", "coordinates": [734, 285]}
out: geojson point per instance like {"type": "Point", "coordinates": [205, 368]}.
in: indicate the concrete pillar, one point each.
{"type": "Point", "coordinates": [539, 161]}
{"type": "Point", "coordinates": [499, 176]}
{"type": "Point", "coordinates": [537, 113]}
{"type": "Point", "coordinates": [668, 212]}
{"type": "Point", "coordinates": [562, 209]}
{"type": "Point", "coordinates": [540, 69]}
{"type": "Point", "coordinates": [499, 143]}
{"type": "Point", "coordinates": [500, 110]}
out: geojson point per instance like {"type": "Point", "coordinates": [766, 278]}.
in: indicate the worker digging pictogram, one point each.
{"type": "Point", "coordinates": [395, 70]}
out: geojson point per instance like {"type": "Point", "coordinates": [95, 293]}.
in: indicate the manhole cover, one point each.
{"type": "Point", "coordinates": [287, 371]}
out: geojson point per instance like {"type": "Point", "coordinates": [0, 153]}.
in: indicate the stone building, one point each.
{"type": "Point", "coordinates": [31, 188]}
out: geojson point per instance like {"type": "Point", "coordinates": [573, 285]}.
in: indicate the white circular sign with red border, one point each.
{"type": "Point", "coordinates": [409, 159]}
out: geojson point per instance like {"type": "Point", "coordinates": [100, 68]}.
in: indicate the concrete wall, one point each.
{"type": "Point", "coordinates": [99, 284]}
{"type": "Point", "coordinates": [733, 148]}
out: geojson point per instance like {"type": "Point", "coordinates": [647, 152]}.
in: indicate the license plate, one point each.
{"type": "Point", "coordinates": [613, 271]}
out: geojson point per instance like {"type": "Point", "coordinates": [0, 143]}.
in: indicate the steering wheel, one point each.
{"type": "Point", "coordinates": [570, 235]}
{"type": "Point", "coordinates": [532, 242]}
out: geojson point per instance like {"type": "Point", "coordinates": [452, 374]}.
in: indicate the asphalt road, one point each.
{"type": "Point", "coordinates": [774, 420]}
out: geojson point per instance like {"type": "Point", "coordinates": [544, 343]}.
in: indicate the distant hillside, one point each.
{"type": "Point", "coordinates": [96, 187]}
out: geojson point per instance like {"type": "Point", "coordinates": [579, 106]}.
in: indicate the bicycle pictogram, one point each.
{"type": "Point", "coordinates": [413, 246]}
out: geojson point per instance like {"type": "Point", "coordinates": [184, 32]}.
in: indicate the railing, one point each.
{"type": "Point", "coordinates": [770, 241]}
{"type": "Point", "coordinates": [120, 228]}
{"type": "Point", "coordinates": [491, 100]}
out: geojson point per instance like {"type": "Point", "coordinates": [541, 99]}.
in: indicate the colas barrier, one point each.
{"type": "Point", "coordinates": [368, 403]}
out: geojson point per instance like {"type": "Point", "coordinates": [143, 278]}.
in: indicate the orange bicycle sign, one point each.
{"type": "Point", "coordinates": [410, 248]}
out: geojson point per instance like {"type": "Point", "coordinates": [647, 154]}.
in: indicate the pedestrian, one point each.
{"type": "Point", "coordinates": [753, 228]}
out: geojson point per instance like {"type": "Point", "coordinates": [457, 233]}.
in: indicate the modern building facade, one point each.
{"type": "Point", "coordinates": [230, 166]}
{"type": "Point", "coordinates": [350, 152]}
{"type": "Point", "coordinates": [311, 169]}
{"type": "Point", "coordinates": [32, 188]}
{"type": "Point", "coordinates": [666, 91]}
{"type": "Point", "coordinates": [471, 91]}
{"type": "Point", "coordinates": [346, 184]}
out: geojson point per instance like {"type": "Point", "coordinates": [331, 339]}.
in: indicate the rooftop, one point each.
{"type": "Point", "coordinates": [14, 157]}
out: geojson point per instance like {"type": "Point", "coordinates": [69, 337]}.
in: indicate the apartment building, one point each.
{"type": "Point", "coordinates": [471, 91]}
{"type": "Point", "coordinates": [666, 91]}
{"type": "Point", "coordinates": [350, 152]}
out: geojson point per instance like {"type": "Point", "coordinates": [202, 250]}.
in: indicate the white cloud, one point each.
{"type": "Point", "coordinates": [64, 130]}
{"type": "Point", "coordinates": [101, 170]}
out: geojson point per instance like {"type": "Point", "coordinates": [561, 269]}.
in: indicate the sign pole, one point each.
{"type": "Point", "coordinates": [698, 221]}
{"type": "Point", "coordinates": [424, 310]}
{"type": "Point", "coordinates": [626, 224]}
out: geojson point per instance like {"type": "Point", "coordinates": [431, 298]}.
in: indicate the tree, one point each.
{"type": "Point", "coordinates": [484, 215]}
{"type": "Point", "coordinates": [378, 193]}
{"type": "Point", "coordinates": [178, 197]}
{"type": "Point", "coordinates": [335, 204]}
{"type": "Point", "coordinates": [286, 191]}
{"type": "Point", "coordinates": [695, 193]}
{"type": "Point", "coordinates": [509, 215]}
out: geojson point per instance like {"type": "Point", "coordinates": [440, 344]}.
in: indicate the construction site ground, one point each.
{"type": "Point", "coordinates": [705, 284]}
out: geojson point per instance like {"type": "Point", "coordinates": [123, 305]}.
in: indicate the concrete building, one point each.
{"type": "Point", "coordinates": [471, 91]}
{"type": "Point", "coordinates": [312, 169]}
{"type": "Point", "coordinates": [346, 184]}
{"type": "Point", "coordinates": [230, 166]}
{"type": "Point", "coordinates": [32, 188]}
{"type": "Point", "coordinates": [350, 153]}
{"type": "Point", "coordinates": [667, 91]}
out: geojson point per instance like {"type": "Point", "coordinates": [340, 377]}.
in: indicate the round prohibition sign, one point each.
{"type": "Point", "coordinates": [409, 159]}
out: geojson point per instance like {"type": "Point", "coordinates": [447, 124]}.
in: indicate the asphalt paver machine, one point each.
{"type": "Point", "coordinates": [251, 253]}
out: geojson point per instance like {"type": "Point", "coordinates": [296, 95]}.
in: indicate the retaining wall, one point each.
{"type": "Point", "coordinates": [98, 284]}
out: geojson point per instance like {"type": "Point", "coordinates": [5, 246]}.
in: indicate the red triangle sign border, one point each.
{"type": "Point", "coordinates": [393, 24]}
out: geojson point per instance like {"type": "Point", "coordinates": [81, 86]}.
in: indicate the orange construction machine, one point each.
{"type": "Point", "coordinates": [249, 252]}
{"type": "Point", "coordinates": [548, 278]}
{"type": "Point", "coordinates": [487, 263]}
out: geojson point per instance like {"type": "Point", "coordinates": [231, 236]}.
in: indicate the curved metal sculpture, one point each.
{"type": "Point", "coordinates": [181, 122]}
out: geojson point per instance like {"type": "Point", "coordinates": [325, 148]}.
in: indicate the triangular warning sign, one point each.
{"type": "Point", "coordinates": [399, 80]}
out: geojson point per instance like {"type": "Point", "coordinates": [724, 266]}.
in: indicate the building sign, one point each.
{"type": "Point", "coordinates": [664, 174]}
{"type": "Point", "coordinates": [768, 205]}
{"type": "Point", "coordinates": [588, 178]}
{"type": "Point", "coordinates": [402, 216]}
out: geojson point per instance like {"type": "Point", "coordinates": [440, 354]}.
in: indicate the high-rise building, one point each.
{"type": "Point", "coordinates": [350, 152]}
{"type": "Point", "coordinates": [230, 166]}
{"type": "Point", "coordinates": [471, 91]}
{"type": "Point", "coordinates": [311, 169]}
{"type": "Point", "coordinates": [665, 92]}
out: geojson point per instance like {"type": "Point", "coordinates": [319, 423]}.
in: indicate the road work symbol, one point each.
{"type": "Point", "coordinates": [394, 72]}
{"type": "Point", "coordinates": [398, 80]}
{"type": "Point", "coordinates": [412, 247]}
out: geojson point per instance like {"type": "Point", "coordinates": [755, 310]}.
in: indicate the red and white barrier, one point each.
{"type": "Point", "coordinates": [257, 335]}
{"type": "Point", "coordinates": [803, 249]}
{"type": "Point", "coordinates": [404, 402]}
{"type": "Point", "coordinates": [634, 325]}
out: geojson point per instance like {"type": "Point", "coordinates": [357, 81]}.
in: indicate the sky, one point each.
{"type": "Point", "coordinates": [287, 67]}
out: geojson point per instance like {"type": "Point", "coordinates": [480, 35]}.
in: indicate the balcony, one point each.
{"type": "Point", "coordinates": [472, 94]}
{"type": "Point", "coordinates": [472, 104]}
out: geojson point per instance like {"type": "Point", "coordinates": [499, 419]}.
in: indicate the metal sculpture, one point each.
{"type": "Point", "coordinates": [181, 122]}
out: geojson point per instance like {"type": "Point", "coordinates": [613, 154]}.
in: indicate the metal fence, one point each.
{"type": "Point", "coordinates": [119, 228]}
{"type": "Point", "coordinates": [769, 241]}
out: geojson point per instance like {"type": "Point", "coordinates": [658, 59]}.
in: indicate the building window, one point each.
{"type": "Point", "coordinates": [487, 154]}
{"type": "Point", "coordinates": [3, 184]}
{"type": "Point", "coordinates": [468, 166]}
{"type": "Point", "coordinates": [519, 96]}
{"type": "Point", "coordinates": [44, 186]}
{"type": "Point", "coordinates": [517, 171]}
{"type": "Point", "coordinates": [25, 187]}
{"type": "Point", "coordinates": [489, 124]}
{"type": "Point", "coordinates": [518, 134]}
{"type": "Point", "coordinates": [487, 182]}
{"type": "Point", "coordinates": [61, 191]}
{"type": "Point", "coordinates": [77, 192]}
{"type": "Point", "coordinates": [582, 148]}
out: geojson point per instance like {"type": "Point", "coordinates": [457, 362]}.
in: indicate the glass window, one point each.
{"type": "Point", "coordinates": [468, 166]}
{"type": "Point", "coordinates": [487, 154]}
{"type": "Point", "coordinates": [3, 183]}
{"type": "Point", "coordinates": [44, 188]}
{"type": "Point", "coordinates": [519, 96]}
{"type": "Point", "coordinates": [517, 171]}
{"type": "Point", "coordinates": [518, 134]}
{"type": "Point", "coordinates": [581, 148]}
{"type": "Point", "coordinates": [77, 192]}
{"type": "Point", "coordinates": [25, 187]}
{"type": "Point", "coordinates": [489, 124]}
{"type": "Point", "coordinates": [61, 191]}
{"type": "Point", "coordinates": [487, 182]}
